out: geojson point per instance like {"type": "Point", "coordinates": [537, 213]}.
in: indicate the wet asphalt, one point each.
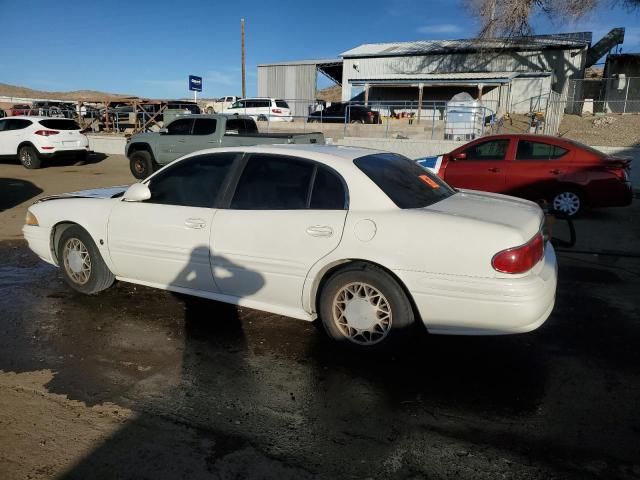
{"type": "Point", "coordinates": [255, 395]}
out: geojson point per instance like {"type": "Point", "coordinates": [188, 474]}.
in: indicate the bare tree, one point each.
{"type": "Point", "coordinates": [510, 18]}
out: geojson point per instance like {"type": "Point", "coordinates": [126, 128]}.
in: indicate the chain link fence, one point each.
{"type": "Point", "coordinates": [619, 94]}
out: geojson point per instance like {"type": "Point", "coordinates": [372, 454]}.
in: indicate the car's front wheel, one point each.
{"type": "Point", "coordinates": [568, 201]}
{"type": "Point", "coordinates": [29, 157]}
{"type": "Point", "coordinates": [82, 265]}
{"type": "Point", "coordinates": [364, 307]}
{"type": "Point", "coordinates": [141, 164]}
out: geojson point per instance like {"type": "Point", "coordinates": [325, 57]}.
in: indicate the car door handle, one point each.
{"type": "Point", "coordinates": [320, 231]}
{"type": "Point", "coordinates": [494, 169]}
{"type": "Point", "coordinates": [181, 141]}
{"type": "Point", "coordinates": [555, 171]}
{"type": "Point", "coordinates": [196, 223]}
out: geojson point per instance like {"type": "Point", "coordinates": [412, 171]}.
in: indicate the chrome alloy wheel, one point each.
{"type": "Point", "coordinates": [77, 261]}
{"type": "Point", "coordinates": [26, 157]}
{"type": "Point", "coordinates": [362, 313]}
{"type": "Point", "coordinates": [567, 202]}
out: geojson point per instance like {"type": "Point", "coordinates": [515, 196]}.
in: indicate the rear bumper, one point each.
{"type": "Point", "coordinates": [476, 306]}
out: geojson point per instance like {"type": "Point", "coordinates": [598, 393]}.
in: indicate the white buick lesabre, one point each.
{"type": "Point", "coordinates": [368, 241]}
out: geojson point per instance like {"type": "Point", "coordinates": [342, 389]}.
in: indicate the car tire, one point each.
{"type": "Point", "coordinates": [83, 268]}
{"type": "Point", "coordinates": [29, 157]}
{"type": "Point", "coordinates": [363, 307]}
{"type": "Point", "coordinates": [568, 201]}
{"type": "Point", "coordinates": [141, 164]}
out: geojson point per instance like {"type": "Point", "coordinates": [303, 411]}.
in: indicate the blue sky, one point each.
{"type": "Point", "coordinates": [149, 48]}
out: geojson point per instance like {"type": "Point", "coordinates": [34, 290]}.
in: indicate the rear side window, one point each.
{"type": "Point", "coordinates": [282, 104]}
{"type": "Point", "coordinates": [328, 191]}
{"type": "Point", "coordinates": [269, 182]}
{"type": "Point", "coordinates": [204, 126]}
{"type": "Point", "coordinates": [528, 150]}
{"type": "Point", "coordinates": [182, 126]}
{"type": "Point", "coordinates": [17, 124]}
{"type": "Point", "coordinates": [192, 183]}
{"type": "Point", "coordinates": [406, 183]}
{"type": "Point", "coordinates": [240, 126]}
{"type": "Point", "coordinates": [60, 124]}
{"type": "Point", "coordinates": [491, 150]}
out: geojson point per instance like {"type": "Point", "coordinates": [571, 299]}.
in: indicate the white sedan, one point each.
{"type": "Point", "coordinates": [368, 241]}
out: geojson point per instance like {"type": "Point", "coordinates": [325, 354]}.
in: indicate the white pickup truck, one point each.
{"type": "Point", "coordinates": [218, 105]}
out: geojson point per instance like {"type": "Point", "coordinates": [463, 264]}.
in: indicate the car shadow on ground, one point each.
{"type": "Point", "coordinates": [92, 158]}
{"type": "Point", "coordinates": [14, 191]}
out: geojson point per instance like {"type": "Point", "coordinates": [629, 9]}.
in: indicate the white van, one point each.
{"type": "Point", "coordinates": [261, 109]}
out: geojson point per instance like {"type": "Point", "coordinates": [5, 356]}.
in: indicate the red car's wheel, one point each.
{"type": "Point", "coordinates": [568, 202]}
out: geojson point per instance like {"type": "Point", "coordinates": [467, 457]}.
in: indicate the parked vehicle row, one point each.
{"type": "Point", "coordinates": [567, 175]}
{"type": "Point", "coordinates": [367, 241]}
{"type": "Point", "coordinates": [341, 112]}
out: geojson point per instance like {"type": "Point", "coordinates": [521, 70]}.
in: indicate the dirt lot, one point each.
{"type": "Point", "coordinates": [136, 383]}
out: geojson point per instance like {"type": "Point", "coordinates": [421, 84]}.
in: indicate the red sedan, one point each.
{"type": "Point", "coordinates": [567, 174]}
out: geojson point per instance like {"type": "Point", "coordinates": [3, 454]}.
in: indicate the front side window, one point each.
{"type": "Point", "coordinates": [238, 104]}
{"type": "Point", "coordinates": [3, 125]}
{"type": "Point", "coordinates": [528, 150]}
{"type": "Point", "coordinates": [204, 126]}
{"type": "Point", "coordinates": [182, 126]}
{"type": "Point", "coordinates": [491, 150]}
{"type": "Point", "coordinates": [196, 182]}
{"type": "Point", "coordinates": [406, 183]}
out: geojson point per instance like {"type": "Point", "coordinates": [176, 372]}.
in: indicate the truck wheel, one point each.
{"type": "Point", "coordinates": [29, 157]}
{"type": "Point", "coordinates": [141, 164]}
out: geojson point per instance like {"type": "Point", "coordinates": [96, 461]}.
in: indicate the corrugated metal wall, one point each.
{"type": "Point", "coordinates": [564, 64]}
{"type": "Point", "coordinates": [294, 83]}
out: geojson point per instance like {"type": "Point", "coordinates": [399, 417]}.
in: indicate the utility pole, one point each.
{"type": "Point", "coordinates": [244, 80]}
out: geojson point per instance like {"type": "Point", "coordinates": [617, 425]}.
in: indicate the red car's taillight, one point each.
{"type": "Point", "coordinates": [621, 173]}
{"type": "Point", "coordinates": [276, 110]}
{"type": "Point", "coordinates": [519, 259]}
{"type": "Point", "coordinates": [46, 133]}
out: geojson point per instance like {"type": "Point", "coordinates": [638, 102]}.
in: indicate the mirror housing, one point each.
{"type": "Point", "coordinates": [459, 156]}
{"type": "Point", "coordinates": [137, 192]}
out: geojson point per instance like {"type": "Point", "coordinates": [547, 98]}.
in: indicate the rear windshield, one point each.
{"type": "Point", "coordinates": [60, 124]}
{"type": "Point", "coordinates": [282, 104]}
{"type": "Point", "coordinates": [405, 182]}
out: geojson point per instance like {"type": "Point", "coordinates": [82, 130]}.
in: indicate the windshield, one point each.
{"type": "Point", "coordinates": [406, 183]}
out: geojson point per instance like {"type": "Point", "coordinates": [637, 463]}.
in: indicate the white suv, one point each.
{"type": "Point", "coordinates": [265, 109]}
{"type": "Point", "coordinates": [33, 139]}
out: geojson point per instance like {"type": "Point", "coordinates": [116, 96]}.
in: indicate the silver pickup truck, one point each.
{"type": "Point", "coordinates": [149, 151]}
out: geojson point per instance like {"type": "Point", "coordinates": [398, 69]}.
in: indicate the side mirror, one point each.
{"type": "Point", "coordinates": [137, 192]}
{"type": "Point", "coordinates": [459, 156]}
{"type": "Point", "coordinates": [163, 131]}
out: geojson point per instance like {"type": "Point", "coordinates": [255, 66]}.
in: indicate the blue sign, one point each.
{"type": "Point", "coordinates": [195, 83]}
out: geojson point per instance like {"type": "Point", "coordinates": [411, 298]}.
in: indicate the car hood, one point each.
{"type": "Point", "coordinates": [108, 192]}
{"type": "Point", "coordinates": [518, 214]}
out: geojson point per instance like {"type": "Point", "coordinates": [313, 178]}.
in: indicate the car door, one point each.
{"type": "Point", "coordinates": [164, 241]}
{"type": "Point", "coordinates": [173, 144]}
{"type": "Point", "coordinates": [285, 214]}
{"type": "Point", "coordinates": [203, 135]}
{"type": "Point", "coordinates": [537, 169]}
{"type": "Point", "coordinates": [14, 132]}
{"type": "Point", "coordinates": [482, 168]}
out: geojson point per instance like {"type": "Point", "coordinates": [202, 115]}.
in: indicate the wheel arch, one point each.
{"type": "Point", "coordinates": [141, 146]}
{"type": "Point", "coordinates": [328, 270]}
{"type": "Point", "coordinates": [56, 233]}
{"type": "Point", "coordinates": [26, 143]}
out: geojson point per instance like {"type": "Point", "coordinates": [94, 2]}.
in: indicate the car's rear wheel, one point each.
{"type": "Point", "coordinates": [568, 201]}
{"type": "Point", "coordinates": [364, 307]}
{"type": "Point", "coordinates": [82, 265]}
{"type": "Point", "coordinates": [29, 157]}
{"type": "Point", "coordinates": [141, 164]}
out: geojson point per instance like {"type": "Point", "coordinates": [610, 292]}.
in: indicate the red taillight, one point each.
{"type": "Point", "coordinates": [370, 114]}
{"type": "Point", "coordinates": [519, 259]}
{"type": "Point", "coordinates": [621, 173]}
{"type": "Point", "coordinates": [276, 110]}
{"type": "Point", "coordinates": [46, 133]}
